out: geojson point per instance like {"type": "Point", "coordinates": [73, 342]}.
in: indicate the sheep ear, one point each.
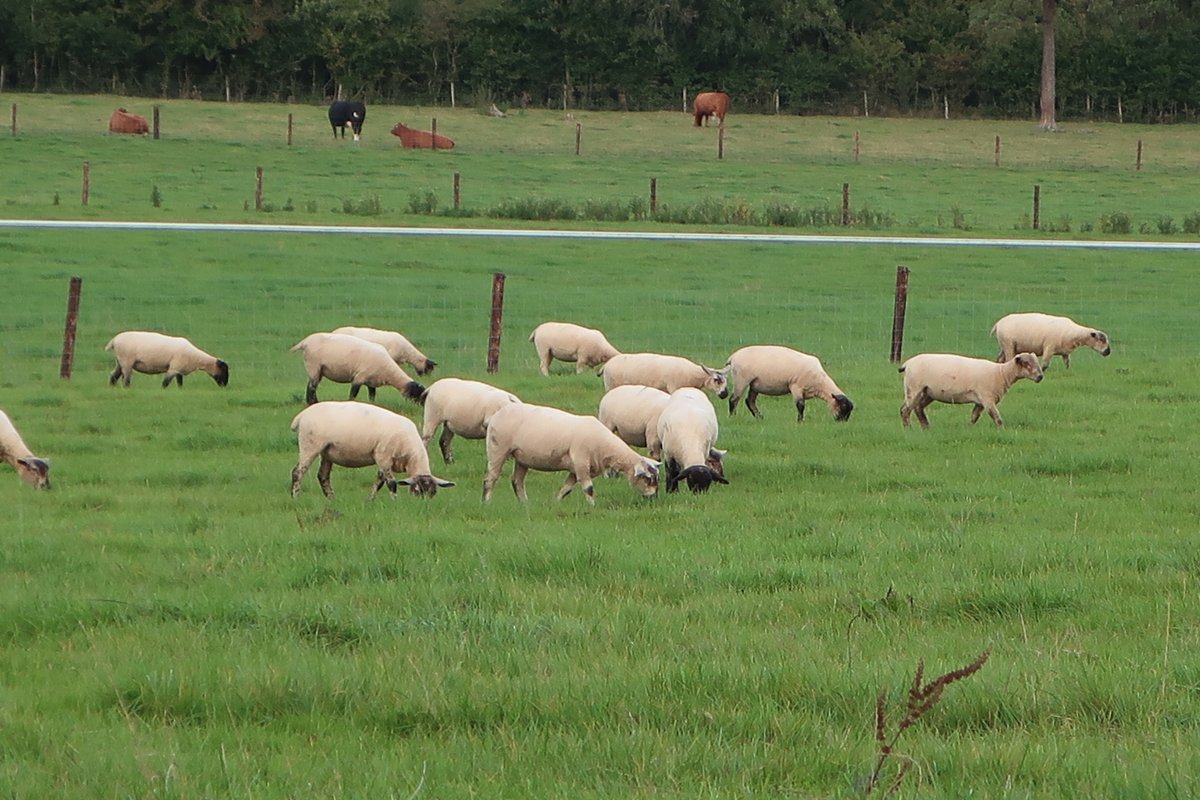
{"type": "Point", "coordinates": [442, 482]}
{"type": "Point", "coordinates": [39, 465]}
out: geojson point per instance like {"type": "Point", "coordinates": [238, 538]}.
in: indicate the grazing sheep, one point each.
{"type": "Point", "coordinates": [155, 353]}
{"type": "Point", "coordinates": [399, 348]}
{"type": "Point", "coordinates": [663, 372]}
{"type": "Point", "coordinates": [587, 347]}
{"type": "Point", "coordinates": [13, 451]}
{"type": "Point", "coordinates": [774, 370]}
{"type": "Point", "coordinates": [1047, 336]}
{"type": "Point", "coordinates": [687, 428]}
{"type": "Point", "coordinates": [461, 407]}
{"type": "Point", "coordinates": [550, 440]}
{"type": "Point", "coordinates": [631, 412]}
{"type": "Point", "coordinates": [349, 359]}
{"type": "Point", "coordinates": [958, 379]}
{"type": "Point", "coordinates": [359, 435]}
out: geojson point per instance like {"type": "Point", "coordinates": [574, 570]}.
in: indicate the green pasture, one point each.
{"type": "Point", "coordinates": [174, 624]}
{"type": "Point", "coordinates": [918, 175]}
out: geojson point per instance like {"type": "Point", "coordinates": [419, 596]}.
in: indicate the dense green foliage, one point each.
{"type": "Point", "coordinates": [174, 625]}
{"type": "Point", "coordinates": [1136, 60]}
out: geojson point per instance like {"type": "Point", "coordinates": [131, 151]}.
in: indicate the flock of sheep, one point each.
{"type": "Point", "coordinates": [651, 400]}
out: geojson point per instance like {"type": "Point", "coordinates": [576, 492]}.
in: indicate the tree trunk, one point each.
{"type": "Point", "coordinates": [1049, 12]}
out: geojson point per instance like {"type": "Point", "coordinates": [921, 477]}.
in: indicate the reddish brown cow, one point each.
{"type": "Point", "coordinates": [122, 121]}
{"type": "Point", "coordinates": [411, 137]}
{"type": "Point", "coordinates": [710, 104]}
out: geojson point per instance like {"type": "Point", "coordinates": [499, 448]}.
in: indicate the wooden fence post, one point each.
{"type": "Point", "coordinates": [845, 204]}
{"type": "Point", "coordinates": [457, 191]}
{"type": "Point", "coordinates": [578, 136]}
{"type": "Point", "coordinates": [721, 141]}
{"type": "Point", "coordinates": [1139, 156]}
{"type": "Point", "coordinates": [14, 119]}
{"type": "Point", "coordinates": [258, 181]}
{"type": "Point", "coordinates": [857, 145]}
{"type": "Point", "coordinates": [433, 130]}
{"type": "Point", "coordinates": [156, 122]}
{"type": "Point", "coordinates": [997, 150]}
{"type": "Point", "coordinates": [653, 195]}
{"type": "Point", "coordinates": [68, 353]}
{"type": "Point", "coordinates": [289, 130]}
{"type": "Point", "coordinates": [1037, 206]}
{"type": "Point", "coordinates": [87, 181]}
{"type": "Point", "coordinates": [898, 312]}
{"type": "Point", "coordinates": [493, 354]}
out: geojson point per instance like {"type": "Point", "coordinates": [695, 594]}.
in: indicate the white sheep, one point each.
{"type": "Point", "coordinates": [461, 407]}
{"type": "Point", "coordinates": [951, 378]}
{"type": "Point", "coordinates": [774, 370]}
{"type": "Point", "coordinates": [358, 435]}
{"type": "Point", "coordinates": [348, 359]}
{"type": "Point", "coordinates": [631, 412]}
{"type": "Point", "coordinates": [687, 428]}
{"type": "Point", "coordinates": [587, 347]}
{"type": "Point", "coordinates": [156, 353]}
{"type": "Point", "coordinates": [13, 451]}
{"type": "Point", "coordinates": [1047, 336]}
{"type": "Point", "coordinates": [550, 440]}
{"type": "Point", "coordinates": [663, 372]}
{"type": "Point", "coordinates": [398, 346]}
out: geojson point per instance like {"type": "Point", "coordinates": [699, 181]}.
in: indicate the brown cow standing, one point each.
{"type": "Point", "coordinates": [710, 104]}
{"type": "Point", "coordinates": [122, 121]}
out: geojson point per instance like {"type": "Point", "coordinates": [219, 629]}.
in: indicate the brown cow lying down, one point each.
{"type": "Point", "coordinates": [122, 121]}
{"type": "Point", "coordinates": [410, 137]}
{"type": "Point", "coordinates": [708, 105]}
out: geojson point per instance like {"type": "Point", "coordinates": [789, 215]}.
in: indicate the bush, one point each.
{"type": "Point", "coordinates": [423, 202]}
{"type": "Point", "coordinates": [534, 208]}
{"type": "Point", "coordinates": [368, 207]}
{"type": "Point", "coordinates": [1117, 222]}
{"type": "Point", "coordinates": [1191, 223]}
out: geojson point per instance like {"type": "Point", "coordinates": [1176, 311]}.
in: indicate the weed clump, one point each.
{"type": "Point", "coordinates": [921, 698]}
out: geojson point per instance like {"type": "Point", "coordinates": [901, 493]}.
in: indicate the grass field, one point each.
{"type": "Point", "coordinates": [927, 176]}
{"type": "Point", "coordinates": [174, 624]}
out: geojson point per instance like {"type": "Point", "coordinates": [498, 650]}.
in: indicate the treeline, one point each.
{"type": "Point", "coordinates": [1115, 59]}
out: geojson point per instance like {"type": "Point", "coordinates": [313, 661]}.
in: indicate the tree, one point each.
{"type": "Point", "coordinates": [1049, 15]}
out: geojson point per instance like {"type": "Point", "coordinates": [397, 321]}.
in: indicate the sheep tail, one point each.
{"type": "Point", "coordinates": [300, 345]}
{"type": "Point", "coordinates": [109, 346]}
{"type": "Point", "coordinates": [296, 421]}
{"type": "Point", "coordinates": [902, 368]}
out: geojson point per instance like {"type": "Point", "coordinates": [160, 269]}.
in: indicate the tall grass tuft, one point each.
{"type": "Point", "coordinates": [921, 698]}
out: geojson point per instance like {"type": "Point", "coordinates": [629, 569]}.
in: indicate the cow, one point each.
{"type": "Point", "coordinates": [708, 105]}
{"type": "Point", "coordinates": [346, 112]}
{"type": "Point", "coordinates": [122, 121]}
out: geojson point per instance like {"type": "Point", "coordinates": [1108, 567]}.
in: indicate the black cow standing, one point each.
{"type": "Point", "coordinates": [345, 112]}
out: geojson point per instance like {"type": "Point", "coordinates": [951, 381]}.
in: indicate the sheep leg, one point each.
{"type": "Point", "coordinates": [354, 387]}
{"type": "Point", "coordinates": [444, 444]}
{"type": "Point", "coordinates": [672, 475]}
{"type": "Point", "coordinates": [1066, 357]}
{"type": "Point", "coordinates": [310, 394]}
{"type": "Point", "coordinates": [544, 361]}
{"type": "Point", "coordinates": [371, 393]}
{"type": "Point", "coordinates": [298, 473]}
{"type": "Point", "coordinates": [323, 476]}
{"type": "Point", "coordinates": [752, 402]}
{"type": "Point", "coordinates": [800, 410]}
{"type": "Point", "coordinates": [518, 481]}
{"type": "Point", "coordinates": [589, 490]}
{"type": "Point", "coordinates": [115, 375]}
{"type": "Point", "coordinates": [920, 403]}
{"type": "Point", "coordinates": [993, 412]}
{"type": "Point", "coordinates": [734, 399]}
{"type": "Point", "coordinates": [495, 464]}
{"type": "Point", "coordinates": [385, 476]}
{"type": "Point", "coordinates": [567, 486]}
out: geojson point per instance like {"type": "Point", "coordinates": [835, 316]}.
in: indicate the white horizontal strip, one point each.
{"type": "Point", "coordinates": [524, 233]}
